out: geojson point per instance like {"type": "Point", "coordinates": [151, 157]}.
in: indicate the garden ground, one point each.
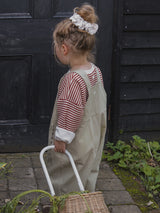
{"type": "Point", "coordinates": [27, 174]}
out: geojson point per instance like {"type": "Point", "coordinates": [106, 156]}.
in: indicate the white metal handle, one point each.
{"type": "Point", "coordinates": [81, 187]}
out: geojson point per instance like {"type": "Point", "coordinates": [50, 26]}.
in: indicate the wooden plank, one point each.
{"type": "Point", "coordinates": [140, 74]}
{"type": "Point", "coordinates": [141, 40]}
{"type": "Point", "coordinates": [26, 37]}
{"type": "Point", "coordinates": [14, 7]}
{"type": "Point", "coordinates": [141, 7]}
{"type": "Point", "coordinates": [42, 9]}
{"type": "Point", "coordinates": [115, 88]}
{"type": "Point", "coordinates": [140, 91]}
{"type": "Point", "coordinates": [104, 49]}
{"type": "Point", "coordinates": [140, 57]}
{"type": "Point", "coordinates": [60, 9]}
{"type": "Point", "coordinates": [15, 84]}
{"type": "Point", "coordinates": [141, 23]}
{"type": "Point", "coordinates": [140, 123]}
{"type": "Point", "coordinates": [139, 107]}
{"type": "Point", "coordinates": [18, 138]}
{"type": "Point", "coordinates": [41, 89]}
{"type": "Point", "coordinates": [147, 135]}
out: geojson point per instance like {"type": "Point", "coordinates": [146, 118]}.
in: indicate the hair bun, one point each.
{"type": "Point", "coordinates": [87, 12]}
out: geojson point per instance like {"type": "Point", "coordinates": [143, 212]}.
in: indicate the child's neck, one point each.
{"type": "Point", "coordinates": [79, 63]}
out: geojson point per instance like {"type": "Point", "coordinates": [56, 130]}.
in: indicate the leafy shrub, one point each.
{"type": "Point", "coordinates": [139, 157]}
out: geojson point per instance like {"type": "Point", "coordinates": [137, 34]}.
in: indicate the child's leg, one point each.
{"type": "Point", "coordinates": [92, 177]}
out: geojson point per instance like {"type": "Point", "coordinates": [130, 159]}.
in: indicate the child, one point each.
{"type": "Point", "coordinates": [78, 122]}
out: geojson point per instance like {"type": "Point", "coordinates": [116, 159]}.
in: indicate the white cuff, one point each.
{"type": "Point", "coordinates": [64, 135]}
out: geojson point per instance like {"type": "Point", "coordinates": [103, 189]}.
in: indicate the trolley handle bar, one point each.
{"type": "Point", "coordinates": [81, 187]}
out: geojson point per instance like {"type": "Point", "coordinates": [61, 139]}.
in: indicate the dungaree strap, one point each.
{"type": "Point", "coordinates": [98, 74]}
{"type": "Point", "coordinates": [83, 74]}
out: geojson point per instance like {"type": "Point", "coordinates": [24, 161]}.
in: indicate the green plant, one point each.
{"type": "Point", "coordinates": [139, 157]}
{"type": "Point", "coordinates": [5, 169]}
{"type": "Point", "coordinates": [104, 156]}
{"type": "Point", "coordinates": [57, 202]}
{"type": "Point", "coordinates": [11, 206]}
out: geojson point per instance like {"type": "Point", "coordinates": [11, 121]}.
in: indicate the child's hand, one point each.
{"type": "Point", "coordinates": [60, 146]}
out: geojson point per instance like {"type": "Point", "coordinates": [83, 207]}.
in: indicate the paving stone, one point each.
{"type": "Point", "coordinates": [22, 173]}
{"type": "Point", "coordinates": [36, 161]}
{"type": "Point", "coordinates": [17, 155]}
{"type": "Point", "coordinates": [117, 197]}
{"type": "Point", "coordinates": [20, 162]}
{"type": "Point", "coordinates": [22, 184]}
{"type": "Point", "coordinates": [3, 196]}
{"type": "Point", "coordinates": [109, 185]}
{"type": "Point", "coordinates": [34, 154]}
{"type": "Point", "coordinates": [29, 196]}
{"type": "Point", "coordinates": [27, 199]}
{"type": "Point", "coordinates": [3, 156]}
{"type": "Point", "coordinates": [124, 209]}
{"type": "Point", "coordinates": [104, 165]}
{"type": "Point", "coordinates": [154, 211]}
{"type": "Point", "coordinates": [106, 173]}
{"type": "Point", "coordinates": [39, 174]}
{"type": "Point", "coordinates": [3, 185]}
{"type": "Point", "coordinates": [42, 184]}
{"type": "Point", "coordinates": [3, 160]}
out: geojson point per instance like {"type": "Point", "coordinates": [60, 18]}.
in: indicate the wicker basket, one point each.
{"type": "Point", "coordinates": [85, 203]}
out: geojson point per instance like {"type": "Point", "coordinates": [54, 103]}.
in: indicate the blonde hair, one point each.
{"type": "Point", "coordinates": [79, 40]}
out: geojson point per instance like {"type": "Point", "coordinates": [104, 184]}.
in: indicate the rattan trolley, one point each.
{"type": "Point", "coordinates": [92, 202]}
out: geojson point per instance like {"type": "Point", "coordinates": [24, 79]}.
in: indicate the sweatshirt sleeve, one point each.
{"type": "Point", "coordinates": [71, 100]}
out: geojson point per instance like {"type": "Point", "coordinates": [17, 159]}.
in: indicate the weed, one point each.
{"type": "Point", "coordinates": [139, 157]}
{"type": "Point", "coordinates": [5, 169]}
{"type": "Point", "coordinates": [57, 202]}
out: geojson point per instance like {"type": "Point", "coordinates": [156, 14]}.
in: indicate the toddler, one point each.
{"type": "Point", "coordinates": [78, 122]}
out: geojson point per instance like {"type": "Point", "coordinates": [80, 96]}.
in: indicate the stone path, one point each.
{"type": "Point", "coordinates": [27, 174]}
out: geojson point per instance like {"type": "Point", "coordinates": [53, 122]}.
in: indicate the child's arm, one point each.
{"type": "Point", "coordinates": [60, 146]}
{"type": "Point", "coordinates": [71, 101]}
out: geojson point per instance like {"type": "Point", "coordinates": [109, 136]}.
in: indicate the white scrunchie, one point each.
{"type": "Point", "coordinates": [84, 25]}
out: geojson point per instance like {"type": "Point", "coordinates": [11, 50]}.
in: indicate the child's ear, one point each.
{"type": "Point", "coordinates": [65, 49]}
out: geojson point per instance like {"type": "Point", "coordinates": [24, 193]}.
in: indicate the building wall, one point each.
{"type": "Point", "coordinates": [136, 70]}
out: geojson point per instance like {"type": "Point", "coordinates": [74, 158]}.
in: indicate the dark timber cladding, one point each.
{"type": "Point", "coordinates": [137, 75]}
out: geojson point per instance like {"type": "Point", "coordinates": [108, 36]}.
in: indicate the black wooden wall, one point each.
{"type": "Point", "coordinates": [136, 69]}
